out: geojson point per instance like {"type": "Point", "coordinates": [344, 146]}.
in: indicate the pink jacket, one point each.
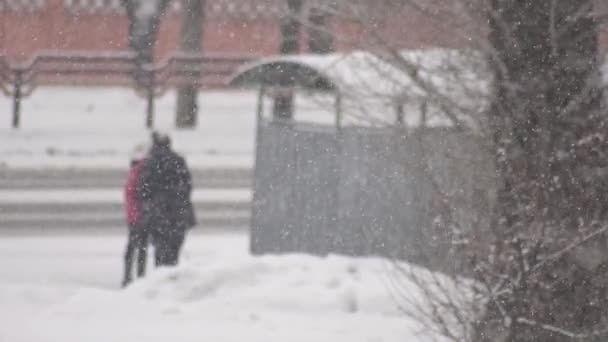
{"type": "Point", "coordinates": [132, 203]}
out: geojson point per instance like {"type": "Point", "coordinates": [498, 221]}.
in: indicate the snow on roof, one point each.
{"type": "Point", "coordinates": [451, 80]}
{"type": "Point", "coordinates": [412, 74]}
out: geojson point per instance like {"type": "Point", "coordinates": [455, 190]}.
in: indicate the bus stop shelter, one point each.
{"type": "Point", "coordinates": [351, 187]}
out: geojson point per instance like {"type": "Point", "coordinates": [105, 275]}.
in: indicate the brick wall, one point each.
{"type": "Point", "coordinates": [232, 27]}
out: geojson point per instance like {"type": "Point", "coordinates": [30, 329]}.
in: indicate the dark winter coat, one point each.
{"type": "Point", "coordinates": [166, 187]}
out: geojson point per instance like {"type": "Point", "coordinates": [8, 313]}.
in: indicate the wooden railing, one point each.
{"type": "Point", "coordinates": [19, 80]}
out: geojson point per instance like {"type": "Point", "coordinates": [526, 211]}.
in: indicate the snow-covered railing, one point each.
{"type": "Point", "coordinates": [19, 80]}
{"type": "Point", "coordinates": [22, 6]}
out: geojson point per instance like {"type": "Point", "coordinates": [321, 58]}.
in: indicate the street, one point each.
{"type": "Point", "coordinates": [76, 199]}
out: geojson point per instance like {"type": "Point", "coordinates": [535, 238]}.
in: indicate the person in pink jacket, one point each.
{"type": "Point", "coordinates": [138, 235]}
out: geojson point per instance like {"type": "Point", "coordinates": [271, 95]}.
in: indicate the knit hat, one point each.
{"type": "Point", "coordinates": [139, 152]}
{"type": "Point", "coordinates": [160, 139]}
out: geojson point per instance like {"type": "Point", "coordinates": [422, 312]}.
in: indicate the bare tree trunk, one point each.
{"type": "Point", "coordinates": [143, 28]}
{"type": "Point", "coordinates": [320, 35]}
{"type": "Point", "coordinates": [144, 18]}
{"type": "Point", "coordinates": [290, 31]}
{"type": "Point", "coordinates": [550, 150]}
{"type": "Point", "coordinates": [191, 36]}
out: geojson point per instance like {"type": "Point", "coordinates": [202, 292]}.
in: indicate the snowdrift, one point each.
{"type": "Point", "coordinates": [219, 294]}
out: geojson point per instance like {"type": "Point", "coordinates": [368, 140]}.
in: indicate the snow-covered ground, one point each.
{"type": "Point", "coordinates": [99, 127]}
{"type": "Point", "coordinates": [71, 196]}
{"type": "Point", "coordinates": [62, 285]}
{"type": "Point", "coordinates": [65, 288]}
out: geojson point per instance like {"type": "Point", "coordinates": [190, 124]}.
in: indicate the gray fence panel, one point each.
{"type": "Point", "coordinates": [315, 198]}
{"type": "Point", "coordinates": [381, 197]}
{"type": "Point", "coordinates": [365, 191]}
{"type": "Point", "coordinates": [272, 204]}
{"type": "Point", "coordinates": [351, 232]}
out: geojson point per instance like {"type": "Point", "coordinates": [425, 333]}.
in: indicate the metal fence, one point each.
{"type": "Point", "coordinates": [366, 191]}
{"type": "Point", "coordinates": [19, 80]}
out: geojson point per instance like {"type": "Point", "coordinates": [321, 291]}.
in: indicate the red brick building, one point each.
{"type": "Point", "coordinates": [231, 27]}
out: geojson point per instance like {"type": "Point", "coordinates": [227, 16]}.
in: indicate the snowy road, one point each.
{"type": "Point", "coordinates": [65, 288]}
{"type": "Point", "coordinates": [77, 198]}
{"type": "Point", "coordinates": [103, 208]}
{"type": "Point", "coordinates": [103, 178]}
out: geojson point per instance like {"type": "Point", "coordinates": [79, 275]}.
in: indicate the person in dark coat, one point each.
{"type": "Point", "coordinates": [166, 186]}
{"type": "Point", "coordinates": [137, 242]}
